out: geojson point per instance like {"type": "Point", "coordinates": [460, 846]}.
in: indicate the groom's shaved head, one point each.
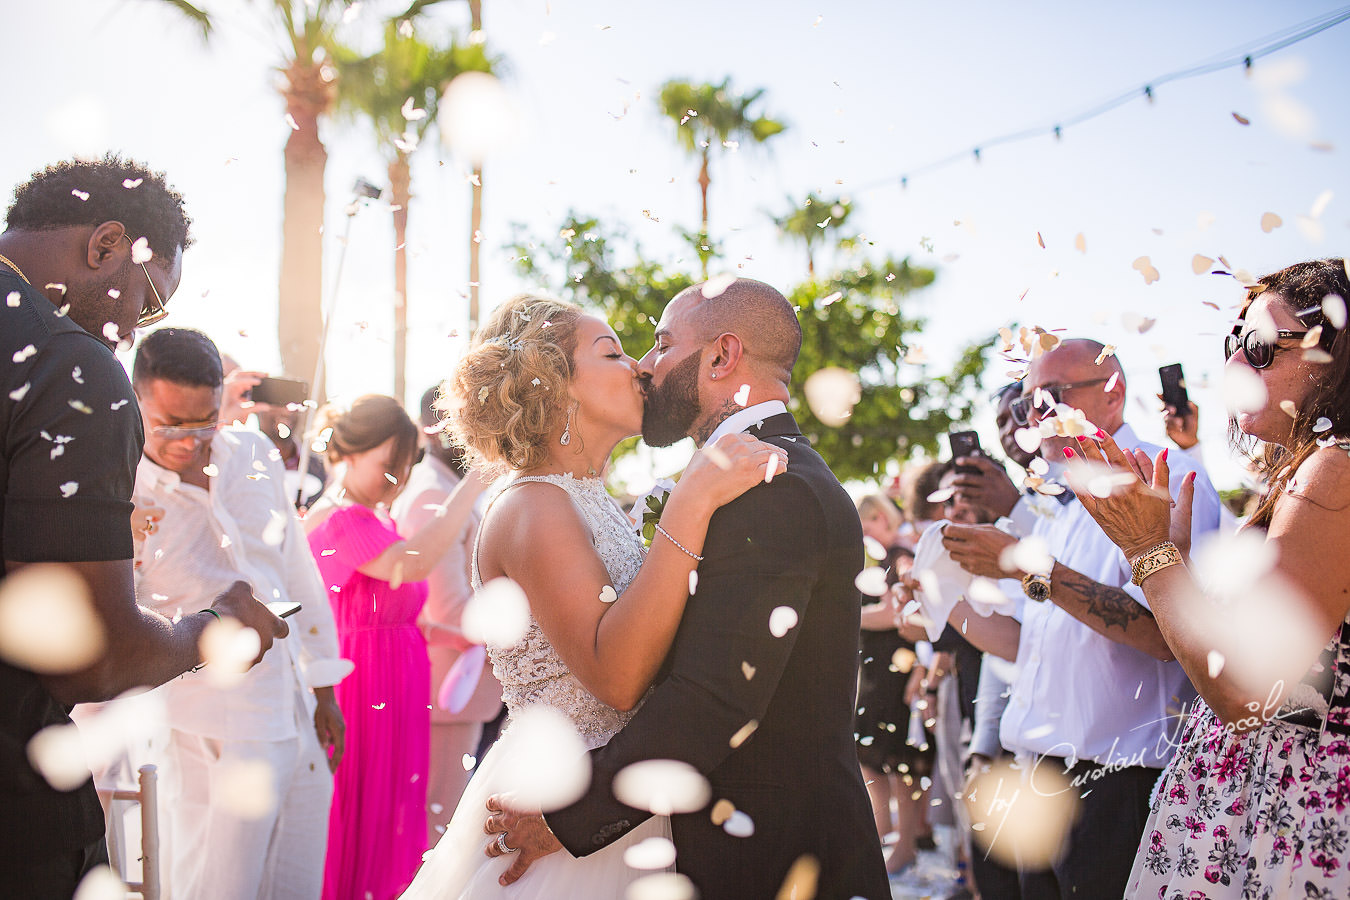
{"type": "Point", "coordinates": [759, 315]}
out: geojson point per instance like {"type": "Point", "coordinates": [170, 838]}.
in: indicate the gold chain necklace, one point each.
{"type": "Point", "coordinates": [17, 271]}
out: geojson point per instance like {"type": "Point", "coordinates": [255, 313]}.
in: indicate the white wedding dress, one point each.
{"type": "Point", "coordinates": [531, 673]}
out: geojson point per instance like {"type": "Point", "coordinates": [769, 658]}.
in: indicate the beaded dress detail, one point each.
{"type": "Point", "coordinates": [530, 671]}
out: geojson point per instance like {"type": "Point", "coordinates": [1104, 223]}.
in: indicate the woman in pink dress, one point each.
{"type": "Point", "coordinates": [377, 827]}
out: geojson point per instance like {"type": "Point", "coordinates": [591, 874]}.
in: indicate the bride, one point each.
{"type": "Point", "coordinates": [546, 392]}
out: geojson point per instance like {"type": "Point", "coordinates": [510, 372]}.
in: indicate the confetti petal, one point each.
{"type": "Point", "coordinates": [1215, 661]}
{"type": "Point", "coordinates": [662, 886]}
{"type": "Point", "coordinates": [1322, 424]}
{"type": "Point", "coordinates": [782, 620]}
{"type": "Point", "coordinates": [47, 621]}
{"type": "Point", "coordinates": [1270, 221]}
{"type": "Point", "coordinates": [832, 393]}
{"type": "Point", "coordinates": [498, 614]}
{"type": "Point", "coordinates": [608, 594]}
{"type": "Point", "coordinates": [1201, 264]}
{"type": "Point", "coordinates": [1013, 822]}
{"type": "Point", "coordinates": [872, 581]}
{"type": "Point", "coordinates": [717, 285]}
{"type": "Point", "coordinates": [650, 853]}
{"type": "Point", "coordinates": [1333, 307]}
{"type": "Point", "coordinates": [544, 758]}
{"type": "Point", "coordinates": [742, 396]}
{"type": "Point", "coordinates": [662, 786]}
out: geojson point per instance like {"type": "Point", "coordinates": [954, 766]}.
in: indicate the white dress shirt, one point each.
{"type": "Point", "coordinates": [243, 528]}
{"type": "Point", "coordinates": [743, 419]}
{"type": "Point", "coordinates": [1080, 695]}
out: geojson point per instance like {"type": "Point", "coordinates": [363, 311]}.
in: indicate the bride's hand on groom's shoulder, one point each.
{"type": "Point", "coordinates": [524, 833]}
{"type": "Point", "coordinates": [732, 465]}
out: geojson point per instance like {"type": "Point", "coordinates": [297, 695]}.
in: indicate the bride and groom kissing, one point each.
{"type": "Point", "coordinates": [678, 668]}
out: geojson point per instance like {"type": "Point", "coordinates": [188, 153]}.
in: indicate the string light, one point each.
{"type": "Point", "coordinates": [1244, 56]}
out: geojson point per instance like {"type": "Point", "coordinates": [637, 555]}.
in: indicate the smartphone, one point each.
{"type": "Point", "coordinates": [1174, 388]}
{"type": "Point", "coordinates": [279, 392]}
{"type": "Point", "coordinates": [283, 609]}
{"type": "Point", "coordinates": [964, 443]}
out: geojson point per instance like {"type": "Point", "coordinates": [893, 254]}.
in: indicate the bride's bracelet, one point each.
{"type": "Point", "coordinates": [690, 553]}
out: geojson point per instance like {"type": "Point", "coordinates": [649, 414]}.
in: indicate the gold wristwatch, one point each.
{"type": "Point", "coordinates": [1037, 587]}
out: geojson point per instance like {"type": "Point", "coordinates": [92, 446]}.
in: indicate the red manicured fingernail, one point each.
{"type": "Point", "coordinates": [1081, 437]}
{"type": "Point", "coordinates": [1190, 476]}
{"type": "Point", "coordinates": [1164, 454]}
{"type": "Point", "coordinates": [1069, 454]}
{"type": "Point", "coordinates": [1100, 434]}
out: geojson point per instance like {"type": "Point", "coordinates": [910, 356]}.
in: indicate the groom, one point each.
{"type": "Point", "coordinates": [722, 364]}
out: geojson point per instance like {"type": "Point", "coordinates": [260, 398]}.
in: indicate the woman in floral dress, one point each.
{"type": "Point", "coordinates": [1256, 802]}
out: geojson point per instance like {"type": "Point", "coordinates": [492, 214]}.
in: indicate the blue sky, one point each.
{"type": "Point", "coordinates": [870, 90]}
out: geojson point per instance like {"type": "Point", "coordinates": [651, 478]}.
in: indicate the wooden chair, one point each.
{"type": "Point", "coordinates": [148, 798]}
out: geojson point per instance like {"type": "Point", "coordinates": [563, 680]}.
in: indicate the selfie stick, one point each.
{"type": "Point", "coordinates": [362, 190]}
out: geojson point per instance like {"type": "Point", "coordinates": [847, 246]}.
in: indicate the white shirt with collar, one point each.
{"type": "Point", "coordinates": [1080, 695]}
{"type": "Point", "coordinates": [243, 528]}
{"type": "Point", "coordinates": [743, 419]}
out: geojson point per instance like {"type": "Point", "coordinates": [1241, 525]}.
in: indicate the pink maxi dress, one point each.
{"type": "Point", "coordinates": [377, 828]}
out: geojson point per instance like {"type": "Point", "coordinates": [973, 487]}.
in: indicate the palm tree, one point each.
{"type": "Point", "coordinates": [810, 222]}
{"type": "Point", "coordinates": [306, 29]}
{"type": "Point", "coordinates": [708, 114]}
{"type": "Point", "coordinates": [399, 89]}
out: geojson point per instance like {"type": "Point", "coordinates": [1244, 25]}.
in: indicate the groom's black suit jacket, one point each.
{"type": "Point", "coordinates": [795, 542]}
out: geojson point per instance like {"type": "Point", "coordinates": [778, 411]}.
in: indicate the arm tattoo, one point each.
{"type": "Point", "coordinates": [1110, 606]}
{"type": "Point", "coordinates": [704, 429]}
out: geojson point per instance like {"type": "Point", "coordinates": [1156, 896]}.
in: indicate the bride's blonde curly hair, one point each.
{"type": "Point", "coordinates": [509, 392]}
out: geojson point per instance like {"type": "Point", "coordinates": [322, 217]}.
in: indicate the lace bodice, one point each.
{"type": "Point", "coordinates": [530, 671]}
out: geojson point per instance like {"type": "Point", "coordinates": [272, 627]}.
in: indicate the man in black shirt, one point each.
{"type": "Point", "coordinates": [91, 250]}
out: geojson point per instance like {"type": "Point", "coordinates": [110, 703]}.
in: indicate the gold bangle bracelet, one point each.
{"type": "Point", "coordinates": [1153, 560]}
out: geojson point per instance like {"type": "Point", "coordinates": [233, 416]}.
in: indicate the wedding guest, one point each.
{"type": "Point", "coordinates": [921, 482]}
{"type": "Point", "coordinates": [235, 523]}
{"type": "Point", "coordinates": [1255, 802]}
{"type": "Point", "coordinates": [377, 582]}
{"type": "Point", "coordinates": [1096, 692]}
{"type": "Point", "coordinates": [91, 251]}
{"type": "Point", "coordinates": [455, 732]}
{"type": "Point", "coordinates": [892, 766]}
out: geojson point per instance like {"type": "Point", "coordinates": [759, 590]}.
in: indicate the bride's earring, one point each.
{"type": "Point", "coordinates": [567, 430]}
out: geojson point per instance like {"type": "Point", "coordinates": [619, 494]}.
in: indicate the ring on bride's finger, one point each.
{"type": "Point", "coordinates": [502, 845]}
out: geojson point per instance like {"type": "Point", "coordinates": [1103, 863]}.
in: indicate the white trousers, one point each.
{"type": "Point", "coordinates": [230, 834]}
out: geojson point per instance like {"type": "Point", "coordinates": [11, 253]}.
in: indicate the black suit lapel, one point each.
{"type": "Point", "coordinates": [780, 425]}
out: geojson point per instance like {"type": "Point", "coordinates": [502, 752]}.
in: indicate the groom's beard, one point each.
{"type": "Point", "coordinates": [670, 410]}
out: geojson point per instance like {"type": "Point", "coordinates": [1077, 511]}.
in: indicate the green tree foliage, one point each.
{"type": "Point", "coordinates": [861, 319]}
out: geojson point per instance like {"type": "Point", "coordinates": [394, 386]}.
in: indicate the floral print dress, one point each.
{"type": "Point", "coordinates": [1259, 815]}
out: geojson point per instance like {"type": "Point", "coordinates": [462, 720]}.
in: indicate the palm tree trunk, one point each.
{"type": "Point", "coordinates": [300, 310]}
{"type": "Point", "coordinates": [476, 207]}
{"type": "Point", "coordinates": [400, 182]}
{"type": "Point", "coordinates": [703, 181]}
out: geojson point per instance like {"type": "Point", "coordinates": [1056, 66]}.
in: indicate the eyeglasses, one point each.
{"type": "Point", "coordinates": [199, 432]}
{"type": "Point", "coordinates": [150, 314]}
{"type": "Point", "coordinates": [1022, 406]}
{"type": "Point", "coordinates": [1259, 350]}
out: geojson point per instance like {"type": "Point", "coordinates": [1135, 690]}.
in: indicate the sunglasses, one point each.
{"type": "Point", "coordinates": [1022, 406]}
{"type": "Point", "coordinates": [1260, 349]}
{"type": "Point", "coordinates": [150, 314]}
{"type": "Point", "coordinates": [203, 433]}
